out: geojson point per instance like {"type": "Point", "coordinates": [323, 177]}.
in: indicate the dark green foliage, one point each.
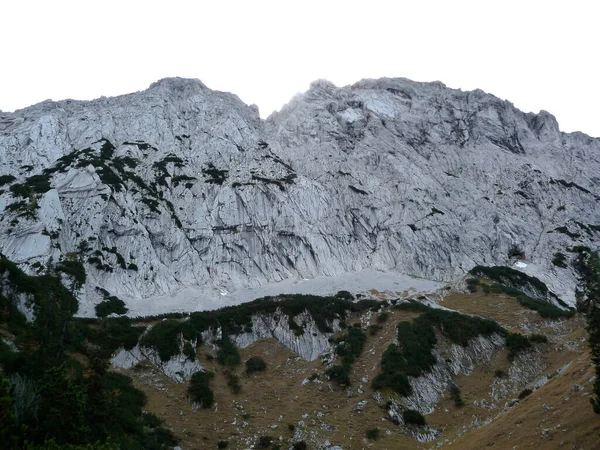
{"type": "Point", "coordinates": [132, 266]}
{"type": "Point", "coordinates": [74, 268]}
{"type": "Point", "coordinates": [222, 444]}
{"type": "Point", "coordinates": [236, 319]}
{"type": "Point", "coordinates": [5, 179]}
{"type": "Point", "coordinates": [107, 150]}
{"type": "Point", "coordinates": [10, 431]}
{"type": "Point", "coordinates": [345, 295]}
{"type": "Point", "coordinates": [189, 351]}
{"type": "Point", "coordinates": [339, 374]}
{"type": "Point", "coordinates": [373, 434]}
{"type": "Point", "coordinates": [543, 308]}
{"type": "Point", "coordinates": [199, 389]}
{"type": "Point", "coordinates": [559, 260]}
{"type": "Point", "coordinates": [151, 203]}
{"type": "Point", "coordinates": [565, 230]}
{"type": "Point", "coordinates": [499, 373]}
{"type": "Point", "coordinates": [301, 445]}
{"type": "Point", "coordinates": [20, 190]}
{"type": "Point", "coordinates": [538, 338]}
{"type": "Point", "coordinates": [508, 276]}
{"type": "Point", "coordinates": [525, 393]}
{"type": "Point", "coordinates": [472, 284]}
{"type": "Point", "coordinates": [349, 347]}
{"type": "Point", "coordinates": [588, 266]}
{"type": "Point", "coordinates": [73, 412]}
{"type": "Point", "coordinates": [182, 179]}
{"type": "Point", "coordinates": [512, 282]}
{"type": "Point", "coordinates": [594, 341]}
{"type": "Point", "coordinates": [255, 364]}
{"type": "Point", "coordinates": [112, 305]}
{"type": "Point", "coordinates": [264, 442]}
{"type": "Point", "coordinates": [413, 417]}
{"type": "Point", "coordinates": [570, 184]}
{"type": "Point", "coordinates": [122, 162]}
{"type": "Point", "coordinates": [227, 354]}
{"type": "Point", "coordinates": [291, 427]}
{"type": "Point", "coordinates": [456, 397]}
{"type": "Point", "coordinates": [233, 381]}
{"type": "Point", "coordinates": [373, 329]}
{"type": "Point", "coordinates": [383, 317]}
{"type": "Point", "coordinates": [279, 182]}
{"type": "Point", "coordinates": [516, 252]}
{"type": "Point", "coordinates": [414, 356]}
{"type": "Point", "coordinates": [393, 375]}
{"type": "Point", "coordinates": [214, 175]}
{"type": "Point", "coordinates": [516, 343]}
{"type": "Point", "coordinates": [164, 337]}
{"type": "Point", "coordinates": [417, 340]}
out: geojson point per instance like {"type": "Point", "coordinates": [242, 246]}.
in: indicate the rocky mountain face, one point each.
{"type": "Point", "coordinates": [180, 187]}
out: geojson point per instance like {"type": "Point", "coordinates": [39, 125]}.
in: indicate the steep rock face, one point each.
{"type": "Point", "coordinates": [183, 187]}
{"type": "Point", "coordinates": [179, 368]}
{"type": "Point", "coordinates": [428, 389]}
{"type": "Point", "coordinates": [309, 344]}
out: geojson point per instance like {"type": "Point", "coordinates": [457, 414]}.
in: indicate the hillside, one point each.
{"type": "Point", "coordinates": [281, 402]}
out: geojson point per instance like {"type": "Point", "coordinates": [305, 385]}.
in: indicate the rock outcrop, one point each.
{"type": "Point", "coordinates": [180, 187]}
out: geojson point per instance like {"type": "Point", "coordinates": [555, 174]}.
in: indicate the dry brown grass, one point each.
{"type": "Point", "coordinates": [276, 397]}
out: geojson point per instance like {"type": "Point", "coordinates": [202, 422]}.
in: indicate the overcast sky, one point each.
{"type": "Point", "coordinates": [537, 54]}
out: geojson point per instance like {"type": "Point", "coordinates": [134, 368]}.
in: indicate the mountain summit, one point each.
{"type": "Point", "coordinates": [183, 189]}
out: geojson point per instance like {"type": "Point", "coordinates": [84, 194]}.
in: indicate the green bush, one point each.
{"type": "Point", "coordinates": [164, 337]}
{"type": "Point", "coordinates": [112, 305]}
{"type": "Point", "coordinates": [559, 260]}
{"type": "Point", "coordinates": [472, 284]}
{"type": "Point", "coordinates": [5, 179]}
{"type": "Point", "coordinates": [351, 345]}
{"type": "Point", "coordinates": [340, 374]}
{"type": "Point", "coordinates": [264, 441]}
{"type": "Point", "coordinates": [413, 417]}
{"type": "Point", "coordinates": [345, 295]}
{"type": "Point", "coordinates": [455, 395]}
{"type": "Point", "coordinates": [373, 434]}
{"type": "Point", "coordinates": [417, 339]}
{"type": "Point", "coordinates": [383, 317]}
{"type": "Point", "coordinates": [525, 393]}
{"type": "Point", "coordinates": [189, 351]}
{"type": "Point", "coordinates": [516, 343]}
{"type": "Point", "coordinates": [301, 445]}
{"type": "Point", "coordinates": [222, 444]}
{"type": "Point", "coordinates": [499, 373]}
{"type": "Point", "coordinates": [233, 381]}
{"type": "Point", "coordinates": [538, 338]}
{"type": "Point", "coordinates": [255, 364]}
{"type": "Point", "coordinates": [199, 389]}
{"type": "Point", "coordinates": [228, 354]}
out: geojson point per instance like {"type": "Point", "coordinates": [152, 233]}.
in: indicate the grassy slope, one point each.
{"type": "Point", "coordinates": [278, 392]}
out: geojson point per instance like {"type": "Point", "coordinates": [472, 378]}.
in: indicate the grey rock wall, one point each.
{"type": "Point", "coordinates": [387, 174]}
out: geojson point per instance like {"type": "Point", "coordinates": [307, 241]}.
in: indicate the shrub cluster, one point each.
{"type": "Point", "coordinates": [413, 417]}
{"type": "Point", "coordinates": [349, 347]}
{"type": "Point", "coordinates": [255, 364]}
{"type": "Point", "coordinates": [199, 389]}
{"type": "Point", "coordinates": [414, 356]}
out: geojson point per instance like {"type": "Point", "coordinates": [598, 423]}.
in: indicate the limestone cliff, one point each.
{"type": "Point", "coordinates": [182, 189]}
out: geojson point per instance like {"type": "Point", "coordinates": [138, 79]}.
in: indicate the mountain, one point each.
{"type": "Point", "coordinates": [177, 196]}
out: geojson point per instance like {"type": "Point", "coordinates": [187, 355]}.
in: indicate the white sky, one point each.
{"type": "Point", "coordinates": [537, 54]}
